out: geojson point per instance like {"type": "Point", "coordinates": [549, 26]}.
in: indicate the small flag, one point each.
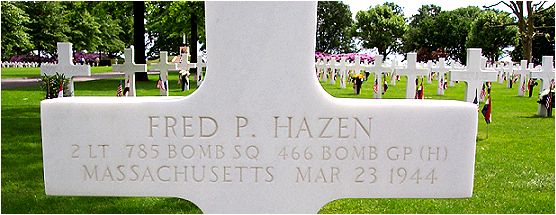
{"type": "Point", "coordinates": [548, 102]}
{"type": "Point", "coordinates": [475, 100]}
{"type": "Point", "coordinates": [375, 87]}
{"type": "Point", "coordinates": [119, 91]}
{"type": "Point", "coordinates": [160, 84]}
{"type": "Point", "coordinates": [482, 94]}
{"type": "Point", "coordinates": [486, 111]}
{"type": "Point", "coordinates": [126, 89]}
{"type": "Point", "coordinates": [441, 84]}
{"type": "Point", "coordinates": [523, 88]}
{"type": "Point", "coordinates": [422, 94]}
{"type": "Point", "coordinates": [61, 91]}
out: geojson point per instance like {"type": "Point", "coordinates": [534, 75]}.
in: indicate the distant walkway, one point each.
{"type": "Point", "coordinates": [10, 83]}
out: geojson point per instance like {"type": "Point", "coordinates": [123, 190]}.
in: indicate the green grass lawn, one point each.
{"type": "Point", "coordinates": [34, 72]}
{"type": "Point", "coordinates": [514, 169]}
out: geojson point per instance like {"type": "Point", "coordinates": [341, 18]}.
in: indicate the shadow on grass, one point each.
{"type": "Point", "coordinates": [535, 116]}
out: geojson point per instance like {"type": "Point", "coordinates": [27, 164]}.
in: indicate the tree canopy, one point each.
{"type": "Point", "coordinates": [381, 27]}
{"type": "Point", "coordinates": [106, 28]}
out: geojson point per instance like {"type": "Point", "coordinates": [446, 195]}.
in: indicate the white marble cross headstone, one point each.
{"type": "Point", "coordinates": [546, 74]}
{"type": "Point", "coordinates": [499, 67]}
{"type": "Point", "coordinates": [441, 69]}
{"type": "Point", "coordinates": [378, 69]}
{"type": "Point", "coordinates": [509, 73]}
{"type": "Point", "coordinates": [393, 75]}
{"type": "Point", "coordinates": [475, 74]}
{"type": "Point", "coordinates": [324, 73]}
{"type": "Point", "coordinates": [343, 72]}
{"type": "Point", "coordinates": [333, 66]}
{"type": "Point", "coordinates": [65, 65]}
{"type": "Point", "coordinates": [129, 68]}
{"type": "Point", "coordinates": [430, 65]}
{"type": "Point", "coordinates": [260, 135]}
{"type": "Point", "coordinates": [164, 67]}
{"type": "Point", "coordinates": [200, 66]}
{"type": "Point", "coordinates": [357, 66]}
{"type": "Point", "coordinates": [185, 66]}
{"type": "Point", "coordinates": [412, 72]}
{"type": "Point", "coordinates": [522, 71]}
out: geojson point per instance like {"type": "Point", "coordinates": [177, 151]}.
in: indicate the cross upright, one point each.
{"type": "Point", "coordinates": [546, 74]}
{"type": "Point", "coordinates": [164, 67]}
{"type": "Point", "coordinates": [357, 66]}
{"type": "Point", "coordinates": [499, 67]}
{"type": "Point", "coordinates": [378, 68]}
{"type": "Point", "coordinates": [343, 72]}
{"type": "Point", "coordinates": [430, 65]}
{"type": "Point", "coordinates": [260, 135]}
{"type": "Point", "coordinates": [129, 68]}
{"type": "Point", "coordinates": [200, 65]}
{"type": "Point", "coordinates": [65, 65]}
{"type": "Point", "coordinates": [324, 71]}
{"type": "Point", "coordinates": [474, 74]}
{"type": "Point", "coordinates": [509, 73]}
{"type": "Point", "coordinates": [333, 66]}
{"type": "Point", "coordinates": [441, 68]}
{"type": "Point", "coordinates": [185, 66]}
{"type": "Point", "coordinates": [522, 71]}
{"type": "Point", "coordinates": [395, 66]}
{"type": "Point", "coordinates": [412, 71]}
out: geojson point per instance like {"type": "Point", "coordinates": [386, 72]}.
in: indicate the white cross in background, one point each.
{"type": "Point", "coordinates": [129, 68]}
{"type": "Point", "coordinates": [200, 66]}
{"type": "Point", "coordinates": [333, 65]}
{"type": "Point", "coordinates": [343, 72]}
{"type": "Point", "coordinates": [65, 65]}
{"type": "Point", "coordinates": [509, 73]}
{"type": "Point", "coordinates": [357, 66]}
{"type": "Point", "coordinates": [411, 71]}
{"type": "Point", "coordinates": [441, 69]}
{"type": "Point", "coordinates": [430, 65]}
{"type": "Point", "coordinates": [546, 74]}
{"type": "Point", "coordinates": [324, 73]}
{"type": "Point", "coordinates": [378, 68]}
{"type": "Point", "coordinates": [164, 67]}
{"type": "Point", "coordinates": [500, 70]}
{"type": "Point", "coordinates": [522, 71]}
{"type": "Point", "coordinates": [395, 65]}
{"type": "Point", "coordinates": [474, 74]}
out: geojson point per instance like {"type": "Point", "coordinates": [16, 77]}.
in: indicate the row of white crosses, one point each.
{"type": "Point", "coordinates": [129, 68]}
{"type": "Point", "coordinates": [65, 65]}
{"type": "Point", "coordinates": [19, 64]}
{"type": "Point", "coordinates": [475, 74]}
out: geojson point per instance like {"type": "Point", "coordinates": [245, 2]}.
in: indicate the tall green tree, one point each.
{"type": "Point", "coordinates": [490, 32]}
{"type": "Point", "coordinates": [526, 22]}
{"type": "Point", "coordinates": [334, 27]}
{"type": "Point", "coordinates": [453, 27]}
{"type": "Point", "coordinates": [48, 25]}
{"type": "Point", "coordinates": [168, 22]}
{"type": "Point", "coordinates": [382, 27]}
{"type": "Point", "coordinates": [109, 28]}
{"type": "Point", "coordinates": [85, 31]}
{"type": "Point", "coordinates": [423, 35]}
{"type": "Point", "coordinates": [15, 39]}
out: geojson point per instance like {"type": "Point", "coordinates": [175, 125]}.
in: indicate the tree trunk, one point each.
{"type": "Point", "coordinates": [139, 37]}
{"type": "Point", "coordinates": [530, 28]}
{"type": "Point", "coordinates": [194, 38]}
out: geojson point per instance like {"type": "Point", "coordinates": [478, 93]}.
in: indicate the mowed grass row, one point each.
{"type": "Point", "coordinates": [514, 169]}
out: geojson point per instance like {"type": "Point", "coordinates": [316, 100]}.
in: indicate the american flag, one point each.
{"type": "Point", "coordinates": [61, 91]}
{"type": "Point", "coordinates": [375, 87]}
{"type": "Point", "coordinates": [160, 84]}
{"type": "Point", "coordinates": [441, 84]}
{"type": "Point", "coordinates": [482, 95]}
{"type": "Point", "coordinates": [523, 88]}
{"type": "Point", "coordinates": [486, 111]}
{"type": "Point", "coordinates": [119, 91]}
{"type": "Point", "coordinates": [548, 103]}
